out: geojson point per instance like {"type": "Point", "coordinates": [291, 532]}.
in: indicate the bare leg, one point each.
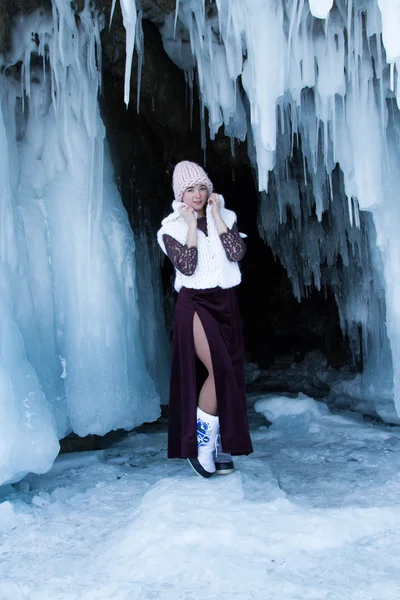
{"type": "Point", "coordinates": [208, 396]}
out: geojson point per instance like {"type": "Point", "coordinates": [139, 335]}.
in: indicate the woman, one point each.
{"type": "Point", "coordinates": [207, 409]}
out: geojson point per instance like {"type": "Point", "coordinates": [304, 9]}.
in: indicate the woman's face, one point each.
{"type": "Point", "coordinates": [196, 197]}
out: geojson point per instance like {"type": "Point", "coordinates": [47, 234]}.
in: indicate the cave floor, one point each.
{"type": "Point", "coordinates": [313, 514]}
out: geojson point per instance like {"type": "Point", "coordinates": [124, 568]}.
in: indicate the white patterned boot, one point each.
{"type": "Point", "coordinates": [207, 431]}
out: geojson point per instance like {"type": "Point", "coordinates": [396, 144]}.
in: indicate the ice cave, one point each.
{"type": "Point", "coordinates": [292, 106]}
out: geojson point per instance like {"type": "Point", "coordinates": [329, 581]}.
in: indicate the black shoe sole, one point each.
{"type": "Point", "coordinates": [198, 469]}
{"type": "Point", "coordinates": [224, 468]}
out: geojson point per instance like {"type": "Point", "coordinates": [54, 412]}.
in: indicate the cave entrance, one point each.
{"type": "Point", "coordinates": [279, 331]}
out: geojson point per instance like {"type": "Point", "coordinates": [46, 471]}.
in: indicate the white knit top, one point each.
{"type": "Point", "coordinates": [213, 267]}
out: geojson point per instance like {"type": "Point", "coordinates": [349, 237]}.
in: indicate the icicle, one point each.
{"type": "Point", "coordinates": [203, 139]}
{"type": "Point", "coordinates": [380, 79]}
{"type": "Point", "coordinates": [27, 70]}
{"type": "Point", "coordinates": [99, 56]}
{"type": "Point", "coordinates": [176, 16]}
{"type": "Point", "coordinates": [392, 67]}
{"type": "Point", "coordinates": [219, 11]}
{"type": "Point", "coordinates": [356, 214]}
{"type": "Point", "coordinates": [22, 87]}
{"type": "Point", "coordinates": [293, 18]}
{"type": "Point", "coordinates": [140, 52]}
{"type": "Point", "coordinates": [129, 17]}
{"type": "Point", "coordinates": [44, 67]}
{"type": "Point", "coordinates": [112, 12]}
{"type": "Point", "coordinates": [233, 147]}
{"type": "Point", "coordinates": [189, 78]}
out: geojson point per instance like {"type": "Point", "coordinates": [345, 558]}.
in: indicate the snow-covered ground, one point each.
{"type": "Point", "coordinates": [313, 514]}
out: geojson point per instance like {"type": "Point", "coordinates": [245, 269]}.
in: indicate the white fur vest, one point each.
{"type": "Point", "coordinates": [213, 267]}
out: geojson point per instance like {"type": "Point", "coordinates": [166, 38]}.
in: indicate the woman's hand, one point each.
{"type": "Point", "coordinates": [187, 214]}
{"type": "Point", "coordinates": [215, 204]}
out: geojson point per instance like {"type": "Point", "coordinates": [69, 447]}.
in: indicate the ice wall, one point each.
{"type": "Point", "coordinates": [72, 356]}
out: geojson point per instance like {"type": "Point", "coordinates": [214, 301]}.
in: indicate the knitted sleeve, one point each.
{"type": "Point", "coordinates": [183, 258]}
{"type": "Point", "coordinates": [234, 246]}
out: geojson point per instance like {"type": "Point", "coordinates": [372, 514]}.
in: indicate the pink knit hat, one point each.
{"type": "Point", "coordinates": [188, 173]}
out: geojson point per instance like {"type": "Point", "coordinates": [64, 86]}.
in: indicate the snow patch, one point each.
{"type": "Point", "coordinates": [283, 406]}
{"type": "Point", "coordinates": [8, 518]}
{"type": "Point", "coordinates": [306, 418]}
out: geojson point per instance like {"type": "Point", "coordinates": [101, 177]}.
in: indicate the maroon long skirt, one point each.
{"type": "Point", "coordinates": [218, 311]}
